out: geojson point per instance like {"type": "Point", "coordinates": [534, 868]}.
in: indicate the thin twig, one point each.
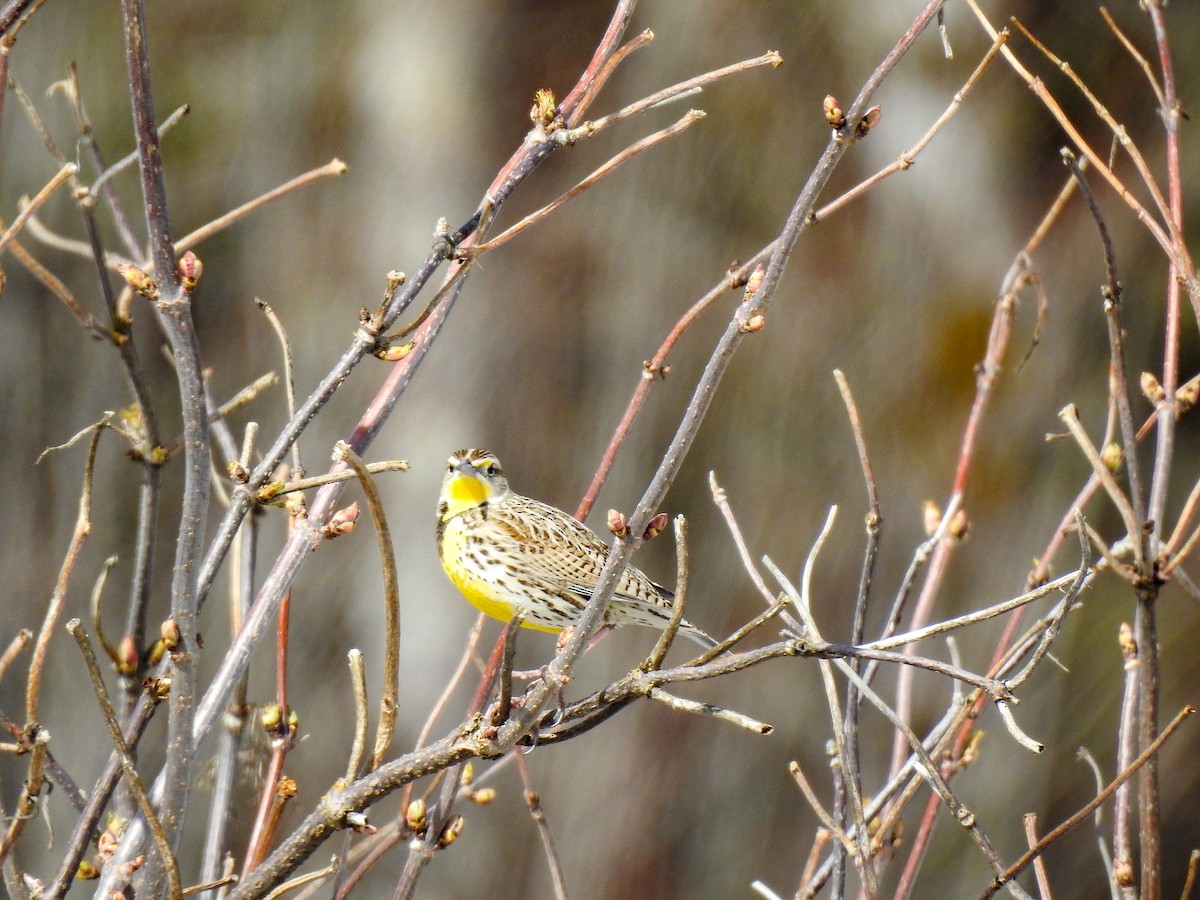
{"type": "Point", "coordinates": [721, 500]}
{"type": "Point", "coordinates": [83, 527]}
{"type": "Point", "coordinates": [663, 644]}
{"type": "Point", "coordinates": [689, 86]}
{"type": "Point", "coordinates": [333, 167]}
{"type": "Point", "coordinates": [802, 601]}
{"type": "Point", "coordinates": [101, 182]}
{"type": "Point", "coordinates": [1039, 866]}
{"type": "Point", "coordinates": [1070, 416]}
{"type": "Point", "coordinates": [850, 779]}
{"type": "Point", "coordinates": [906, 159]}
{"type": "Point", "coordinates": [1007, 876]}
{"type": "Point", "coordinates": [929, 770]}
{"type": "Point", "coordinates": [1133, 51]}
{"type": "Point", "coordinates": [971, 618]}
{"type": "Point", "coordinates": [28, 209]}
{"type": "Point", "coordinates": [1116, 341]}
{"type": "Point", "coordinates": [358, 681]}
{"type": "Point", "coordinates": [1064, 606]}
{"type": "Point", "coordinates": [538, 814]}
{"type": "Point", "coordinates": [389, 693]}
{"type": "Point", "coordinates": [278, 488]}
{"type": "Point", "coordinates": [52, 283]}
{"type": "Point", "coordinates": [708, 709]}
{"type": "Point", "coordinates": [175, 306]}
{"type": "Point", "coordinates": [691, 118]}
{"type": "Point", "coordinates": [153, 693]}
{"type": "Point", "coordinates": [161, 841]}
{"type": "Point", "coordinates": [823, 814]}
{"type": "Point", "coordinates": [15, 648]}
{"type": "Point", "coordinates": [1098, 821]}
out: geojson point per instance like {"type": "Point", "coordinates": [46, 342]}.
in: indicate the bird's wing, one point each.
{"type": "Point", "coordinates": [561, 551]}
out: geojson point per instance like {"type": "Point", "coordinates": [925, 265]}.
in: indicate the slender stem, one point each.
{"type": "Point", "coordinates": [1006, 878]}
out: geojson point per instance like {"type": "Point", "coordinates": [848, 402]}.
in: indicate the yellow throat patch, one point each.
{"type": "Point", "coordinates": [464, 492]}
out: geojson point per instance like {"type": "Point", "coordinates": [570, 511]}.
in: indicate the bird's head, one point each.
{"type": "Point", "coordinates": [473, 477]}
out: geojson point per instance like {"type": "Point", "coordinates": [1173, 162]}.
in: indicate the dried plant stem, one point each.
{"type": "Point", "coordinates": [105, 176]}
{"type": "Point", "coordinates": [389, 692]}
{"type": "Point", "coordinates": [1119, 379]}
{"type": "Point", "coordinates": [279, 488]}
{"type": "Point", "coordinates": [682, 567]}
{"type": "Point", "coordinates": [289, 378]}
{"type": "Point", "coordinates": [981, 615]}
{"type": "Point", "coordinates": [814, 802]}
{"type": "Point", "coordinates": [1070, 416]}
{"type": "Point", "coordinates": [802, 602]}
{"type": "Point", "coordinates": [930, 771]}
{"type": "Point", "coordinates": [83, 527]}
{"type": "Point", "coordinates": [358, 680]}
{"type": "Point", "coordinates": [1117, 129]}
{"type": "Point", "coordinates": [1143, 64]}
{"type": "Point", "coordinates": [1039, 865]}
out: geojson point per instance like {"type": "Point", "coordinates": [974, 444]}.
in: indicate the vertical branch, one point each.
{"type": "Point", "coordinates": [850, 780]}
{"type": "Point", "coordinates": [148, 452]}
{"type": "Point", "coordinates": [1144, 621]}
{"type": "Point", "coordinates": [1116, 342]}
{"type": "Point", "coordinates": [175, 305]}
{"type": "Point", "coordinates": [1168, 410]}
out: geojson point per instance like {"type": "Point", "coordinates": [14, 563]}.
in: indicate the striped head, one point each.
{"type": "Point", "coordinates": [473, 478]}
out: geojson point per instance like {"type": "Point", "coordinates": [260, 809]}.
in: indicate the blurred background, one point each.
{"type": "Point", "coordinates": [424, 102]}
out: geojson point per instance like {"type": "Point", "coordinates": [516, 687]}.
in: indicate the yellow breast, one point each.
{"type": "Point", "coordinates": [478, 586]}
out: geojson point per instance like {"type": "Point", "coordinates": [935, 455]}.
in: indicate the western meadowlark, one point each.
{"type": "Point", "coordinates": [509, 553]}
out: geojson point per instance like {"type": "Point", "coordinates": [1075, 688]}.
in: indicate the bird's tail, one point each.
{"type": "Point", "coordinates": [697, 635]}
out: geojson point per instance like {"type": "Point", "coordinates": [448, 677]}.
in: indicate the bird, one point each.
{"type": "Point", "coordinates": [508, 553]}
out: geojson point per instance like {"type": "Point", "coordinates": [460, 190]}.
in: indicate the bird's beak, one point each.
{"type": "Point", "coordinates": [464, 467]}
